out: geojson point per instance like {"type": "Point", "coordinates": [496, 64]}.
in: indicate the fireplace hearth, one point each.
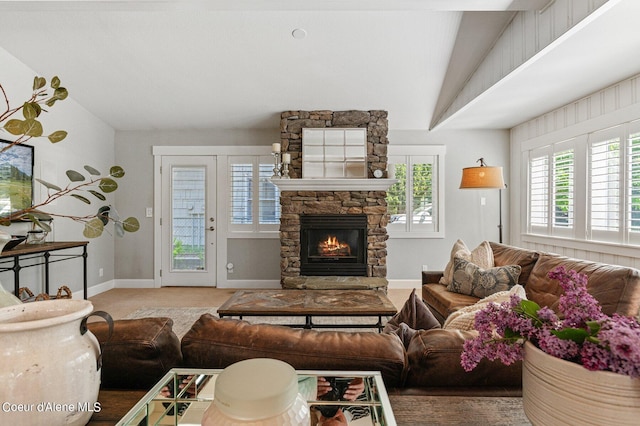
{"type": "Point", "coordinates": [333, 245]}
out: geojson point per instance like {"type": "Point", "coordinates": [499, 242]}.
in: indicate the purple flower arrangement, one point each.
{"type": "Point", "coordinates": [581, 333]}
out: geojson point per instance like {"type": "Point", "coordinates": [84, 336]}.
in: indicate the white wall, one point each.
{"type": "Point", "coordinates": [90, 142]}
{"type": "Point", "coordinates": [465, 217]}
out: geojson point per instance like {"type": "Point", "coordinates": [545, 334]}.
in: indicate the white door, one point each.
{"type": "Point", "coordinates": [187, 221]}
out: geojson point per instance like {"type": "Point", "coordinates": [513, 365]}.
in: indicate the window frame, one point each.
{"type": "Point", "coordinates": [409, 155]}
{"type": "Point", "coordinates": [254, 226]}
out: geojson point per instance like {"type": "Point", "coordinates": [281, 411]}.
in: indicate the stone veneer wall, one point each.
{"type": "Point", "coordinates": [292, 123]}
{"type": "Point", "coordinates": [297, 203]}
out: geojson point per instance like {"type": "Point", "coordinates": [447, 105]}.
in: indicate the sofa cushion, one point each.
{"type": "Point", "coordinates": [471, 279]}
{"type": "Point", "coordinates": [509, 255]}
{"type": "Point", "coordinates": [216, 343]}
{"type": "Point", "coordinates": [617, 288]}
{"type": "Point", "coordinates": [414, 315]}
{"type": "Point", "coordinates": [481, 256]}
{"type": "Point", "coordinates": [139, 352]}
{"type": "Point", "coordinates": [434, 361]}
{"type": "Point", "coordinates": [443, 302]}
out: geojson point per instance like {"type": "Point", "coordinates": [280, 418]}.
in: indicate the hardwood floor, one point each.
{"type": "Point", "coordinates": [120, 302]}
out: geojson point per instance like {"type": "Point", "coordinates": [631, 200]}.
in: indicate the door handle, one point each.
{"type": "Point", "coordinates": [211, 228]}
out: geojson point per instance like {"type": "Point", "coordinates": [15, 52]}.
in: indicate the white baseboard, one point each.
{"type": "Point", "coordinates": [132, 283]}
{"type": "Point", "coordinates": [95, 289]}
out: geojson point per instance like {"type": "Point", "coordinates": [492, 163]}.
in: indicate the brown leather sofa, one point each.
{"type": "Point", "coordinates": [141, 351]}
{"type": "Point", "coordinates": [617, 288]}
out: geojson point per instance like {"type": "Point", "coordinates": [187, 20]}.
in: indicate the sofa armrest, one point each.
{"type": "Point", "coordinates": [431, 277]}
{"type": "Point", "coordinates": [434, 360]}
{"type": "Point", "coordinates": [139, 352]}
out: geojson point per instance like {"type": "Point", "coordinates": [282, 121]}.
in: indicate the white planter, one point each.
{"type": "Point", "coordinates": [257, 392]}
{"type": "Point", "coordinates": [48, 372]}
{"type": "Point", "coordinates": [559, 392]}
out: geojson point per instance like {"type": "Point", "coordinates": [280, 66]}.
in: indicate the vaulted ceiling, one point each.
{"type": "Point", "coordinates": [186, 64]}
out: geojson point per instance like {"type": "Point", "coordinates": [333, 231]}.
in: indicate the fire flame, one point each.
{"type": "Point", "coordinates": [333, 247]}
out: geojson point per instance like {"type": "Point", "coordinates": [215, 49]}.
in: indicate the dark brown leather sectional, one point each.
{"type": "Point", "coordinates": [142, 350]}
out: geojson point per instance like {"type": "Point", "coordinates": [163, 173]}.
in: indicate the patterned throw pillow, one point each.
{"type": "Point", "coordinates": [481, 256]}
{"type": "Point", "coordinates": [472, 280]}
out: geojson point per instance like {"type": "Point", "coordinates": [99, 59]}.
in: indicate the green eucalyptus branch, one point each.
{"type": "Point", "coordinates": [79, 187]}
{"type": "Point", "coordinates": [30, 126]}
{"type": "Point", "coordinates": [96, 186]}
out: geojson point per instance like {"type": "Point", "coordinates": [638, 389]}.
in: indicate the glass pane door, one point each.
{"type": "Point", "coordinates": [188, 221]}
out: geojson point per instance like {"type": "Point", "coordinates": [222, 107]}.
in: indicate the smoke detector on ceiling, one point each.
{"type": "Point", "coordinates": [299, 33]}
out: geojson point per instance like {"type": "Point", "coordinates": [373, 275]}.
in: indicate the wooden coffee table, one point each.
{"type": "Point", "coordinates": [309, 304]}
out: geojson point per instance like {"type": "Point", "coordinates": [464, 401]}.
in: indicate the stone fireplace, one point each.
{"type": "Point", "coordinates": [364, 199]}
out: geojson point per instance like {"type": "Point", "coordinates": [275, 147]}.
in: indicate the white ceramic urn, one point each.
{"type": "Point", "coordinates": [257, 392]}
{"type": "Point", "coordinates": [48, 368]}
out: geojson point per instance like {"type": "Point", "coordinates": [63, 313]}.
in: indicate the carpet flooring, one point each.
{"type": "Point", "coordinates": [120, 302]}
{"type": "Point", "coordinates": [184, 317]}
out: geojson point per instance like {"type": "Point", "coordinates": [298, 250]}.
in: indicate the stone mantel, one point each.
{"type": "Point", "coordinates": [333, 184]}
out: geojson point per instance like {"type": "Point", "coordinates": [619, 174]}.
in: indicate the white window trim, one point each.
{"type": "Point", "coordinates": [438, 152]}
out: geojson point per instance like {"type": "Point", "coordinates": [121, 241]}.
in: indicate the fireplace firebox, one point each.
{"type": "Point", "coordinates": [333, 245]}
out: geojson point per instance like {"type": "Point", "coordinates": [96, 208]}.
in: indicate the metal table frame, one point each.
{"type": "Point", "coordinates": [28, 252]}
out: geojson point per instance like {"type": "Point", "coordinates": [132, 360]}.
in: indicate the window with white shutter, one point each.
{"type": "Point", "coordinates": [600, 171]}
{"type": "Point", "coordinates": [604, 195]}
{"type": "Point", "coordinates": [415, 201]}
{"type": "Point", "coordinates": [563, 189]}
{"type": "Point", "coordinates": [633, 185]}
{"type": "Point", "coordinates": [539, 194]}
{"type": "Point", "coordinates": [252, 195]}
{"type": "Point", "coordinates": [551, 190]}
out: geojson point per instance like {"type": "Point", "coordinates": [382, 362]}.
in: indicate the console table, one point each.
{"type": "Point", "coordinates": [14, 260]}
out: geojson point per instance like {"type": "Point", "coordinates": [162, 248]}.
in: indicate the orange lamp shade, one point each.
{"type": "Point", "coordinates": [482, 177]}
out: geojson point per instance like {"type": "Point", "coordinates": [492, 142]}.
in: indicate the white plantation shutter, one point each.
{"type": "Point", "coordinates": [241, 203]}
{"type": "Point", "coordinates": [539, 192]}
{"type": "Point", "coordinates": [563, 189]}
{"type": "Point", "coordinates": [254, 203]}
{"type": "Point", "coordinates": [269, 197]}
{"type": "Point", "coordinates": [586, 188]}
{"type": "Point", "coordinates": [633, 187]}
{"type": "Point", "coordinates": [604, 183]}
{"type": "Point", "coordinates": [551, 190]}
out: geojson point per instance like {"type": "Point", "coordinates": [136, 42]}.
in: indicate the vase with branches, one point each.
{"type": "Point", "coordinates": [23, 123]}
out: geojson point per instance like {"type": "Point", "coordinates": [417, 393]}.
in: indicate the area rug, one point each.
{"type": "Point", "coordinates": [183, 319]}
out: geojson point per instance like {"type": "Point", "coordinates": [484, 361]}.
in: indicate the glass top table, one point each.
{"type": "Point", "coordinates": [195, 392]}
